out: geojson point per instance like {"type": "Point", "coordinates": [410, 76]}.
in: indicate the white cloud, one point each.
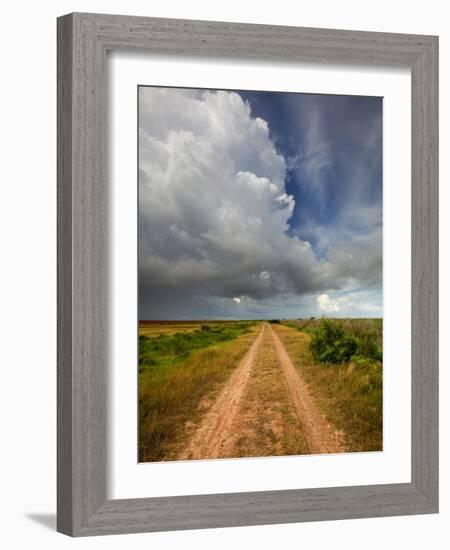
{"type": "Point", "coordinates": [213, 206]}
{"type": "Point", "coordinates": [325, 303]}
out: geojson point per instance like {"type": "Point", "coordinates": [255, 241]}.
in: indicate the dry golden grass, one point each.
{"type": "Point", "coordinates": [152, 330]}
{"type": "Point", "coordinates": [348, 395]}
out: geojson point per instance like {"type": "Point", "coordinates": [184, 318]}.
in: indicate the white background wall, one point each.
{"type": "Point", "coordinates": [28, 271]}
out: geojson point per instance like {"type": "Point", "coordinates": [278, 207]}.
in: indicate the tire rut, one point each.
{"type": "Point", "coordinates": [320, 437]}
{"type": "Point", "coordinates": [210, 437]}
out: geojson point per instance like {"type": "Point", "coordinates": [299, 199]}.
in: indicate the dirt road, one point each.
{"type": "Point", "coordinates": [265, 409]}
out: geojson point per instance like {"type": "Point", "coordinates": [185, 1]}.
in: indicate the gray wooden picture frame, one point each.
{"type": "Point", "coordinates": [83, 41]}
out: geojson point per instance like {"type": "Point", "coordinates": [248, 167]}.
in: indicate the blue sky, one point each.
{"type": "Point", "coordinates": [333, 145]}
{"type": "Point", "coordinates": [259, 204]}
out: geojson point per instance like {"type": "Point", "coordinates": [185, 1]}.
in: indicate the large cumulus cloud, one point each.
{"type": "Point", "coordinates": [214, 213]}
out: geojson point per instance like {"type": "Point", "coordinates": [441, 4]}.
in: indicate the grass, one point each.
{"type": "Point", "coordinates": [177, 371]}
{"type": "Point", "coordinates": [167, 349]}
{"type": "Point", "coordinates": [152, 329]}
{"type": "Point", "coordinates": [349, 394]}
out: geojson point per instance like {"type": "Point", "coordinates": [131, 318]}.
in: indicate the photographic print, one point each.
{"type": "Point", "coordinates": [259, 274]}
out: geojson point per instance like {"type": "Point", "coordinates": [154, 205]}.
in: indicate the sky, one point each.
{"type": "Point", "coordinates": [259, 205]}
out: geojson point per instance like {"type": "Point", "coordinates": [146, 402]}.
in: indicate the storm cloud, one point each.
{"type": "Point", "coordinates": [221, 230]}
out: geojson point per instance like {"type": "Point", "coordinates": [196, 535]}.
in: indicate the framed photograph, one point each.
{"type": "Point", "coordinates": [247, 274]}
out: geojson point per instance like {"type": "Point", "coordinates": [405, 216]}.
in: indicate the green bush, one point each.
{"type": "Point", "coordinates": [367, 347]}
{"type": "Point", "coordinates": [330, 343]}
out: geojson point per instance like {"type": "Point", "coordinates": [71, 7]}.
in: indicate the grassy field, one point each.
{"type": "Point", "coordinates": [183, 366]}
{"type": "Point", "coordinates": [349, 393]}
{"type": "Point", "coordinates": [152, 330]}
{"type": "Point", "coordinates": [180, 364]}
{"type": "Point", "coordinates": [157, 328]}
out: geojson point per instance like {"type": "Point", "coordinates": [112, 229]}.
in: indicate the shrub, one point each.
{"type": "Point", "coordinates": [334, 342]}
{"type": "Point", "coordinates": [367, 347]}
{"type": "Point", "coordinates": [330, 343]}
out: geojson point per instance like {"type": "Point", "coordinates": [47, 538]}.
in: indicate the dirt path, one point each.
{"type": "Point", "coordinates": [320, 437]}
{"type": "Point", "coordinates": [211, 435]}
{"type": "Point", "coordinates": [266, 423]}
{"type": "Point", "coordinates": [265, 409]}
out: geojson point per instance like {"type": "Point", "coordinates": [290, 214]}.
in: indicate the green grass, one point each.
{"type": "Point", "coordinates": [169, 349]}
{"type": "Point", "coordinates": [176, 372]}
